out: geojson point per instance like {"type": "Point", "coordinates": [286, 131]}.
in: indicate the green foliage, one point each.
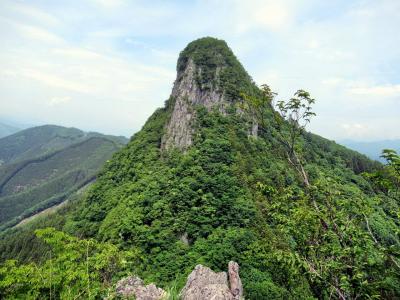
{"type": "Point", "coordinates": [387, 179]}
{"type": "Point", "coordinates": [327, 222]}
{"type": "Point", "coordinates": [331, 243]}
{"type": "Point", "coordinates": [185, 196]}
{"type": "Point", "coordinates": [298, 109]}
{"type": "Point", "coordinates": [290, 120]}
{"type": "Point", "coordinates": [259, 107]}
{"type": "Point", "coordinates": [22, 244]}
{"type": "Point", "coordinates": [37, 141]}
{"type": "Point", "coordinates": [231, 196]}
{"type": "Point", "coordinates": [74, 269]}
{"type": "Point", "coordinates": [392, 158]}
{"type": "Point", "coordinates": [297, 112]}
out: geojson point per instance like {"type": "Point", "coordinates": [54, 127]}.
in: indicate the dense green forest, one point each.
{"type": "Point", "coordinates": [232, 195]}
{"type": "Point", "coordinates": [42, 166]}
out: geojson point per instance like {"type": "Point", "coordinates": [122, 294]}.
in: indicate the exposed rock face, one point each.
{"type": "Point", "coordinates": [203, 283]}
{"type": "Point", "coordinates": [254, 129]}
{"type": "Point", "coordinates": [234, 280]}
{"type": "Point", "coordinates": [209, 75]}
{"type": "Point", "coordinates": [133, 287]}
{"type": "Point", "coordinates": [187, 94]}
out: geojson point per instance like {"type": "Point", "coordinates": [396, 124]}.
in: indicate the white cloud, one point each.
{"type": "Point", "coordinates": [332, 82]}
{"type": "Point", "coordinates": [368, 129]}
{"type": "Point", "coordinates": [313, 44]}
{"type": "Point", "coordinates": [89, 72]}
{"type": "Point", "coordinates": [388, 90]}
{"type": "Point", "coordinates": [113, 92]}
{"type": "Point", "coordinates": [77, 53]}
{"type": "Point", "coordinates": [255, 14]}
{"type": "Point", "coordinates": [33, 13]}
{"type": "Point", "coordinates": [108, 3]}
{"type": "Point", "coordinates": [52, 80]}
{"type": "Point", "coordinates": [356, 131]}
{"type": "Point", "coordinates": [59, 100]}
{"type": "Point", "coordinates": [354, 126]}
{"type": "Point", "coordinates": [31, 32]}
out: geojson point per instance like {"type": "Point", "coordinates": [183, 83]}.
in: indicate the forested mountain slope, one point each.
{"type": "Point", "coordinates": [40, 140]}
{"type": "Point", "coordinates": [43, 165]}
{"type": "Point", "coordinates": [206, 182]}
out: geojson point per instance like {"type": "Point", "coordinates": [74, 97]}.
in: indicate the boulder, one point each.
{"type": "Point", "coordinates": [204, 284]}
{"type": "Point", "coordinates": [133, 286]}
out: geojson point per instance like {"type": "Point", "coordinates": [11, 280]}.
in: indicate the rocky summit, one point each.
{"type": "Point", "coordinates": [208, 75]}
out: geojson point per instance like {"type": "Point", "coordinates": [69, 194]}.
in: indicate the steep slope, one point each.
{"type": "Point", "coordinates": [43, 165]}
{"type": "Point", "coordinates": [199, 184]}
{"type": "Point", "coordinates": [208, 75]}
{"type": "Point", "coordinates": [196, 186]}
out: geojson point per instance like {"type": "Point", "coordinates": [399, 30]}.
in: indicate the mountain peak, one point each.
{"type": "Point", "coordinates": [206, 52]}
{"type": "Point", "coordinates": [209, 75]}
{"type": "Point", "coordinates": [217, 66]}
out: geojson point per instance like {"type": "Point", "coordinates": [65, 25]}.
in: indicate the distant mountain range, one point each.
{"type": "Point", "coordinates": [6, 129]}
{"type": "Point", "coordinates": [372, 149]}
{"type": "Point", "coordinates": [42, 166]}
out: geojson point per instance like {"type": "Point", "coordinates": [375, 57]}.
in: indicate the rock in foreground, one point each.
{"type": "Point", "coordinates": [133, 286]}
{"type": "Point", "coordinates": [203, 283]}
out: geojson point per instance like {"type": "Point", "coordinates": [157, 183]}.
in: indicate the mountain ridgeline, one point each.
{"type": "Point", "coordinates": [42, 166]}
{"type": "Point", "coordinates": [6, 130]}
{"type": "Point", "coordinates": [372, 149]}
{"type": "Point", "coordinates": [200, 183]}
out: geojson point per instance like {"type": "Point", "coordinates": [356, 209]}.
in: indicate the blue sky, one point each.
{"type": "Point", "coordinates": [105, 65]}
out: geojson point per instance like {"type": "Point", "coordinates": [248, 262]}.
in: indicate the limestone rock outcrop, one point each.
{"type": "Point", "coordinates": [203, 284]}
{"type": "Point", "coordinates": [208, 75]}
{"type": "Point", "coordinates": [187, 93]}
{"type": "Point", "coordinates": [235, 282]}
{"type": "Point", "coordinates": [133, 286]}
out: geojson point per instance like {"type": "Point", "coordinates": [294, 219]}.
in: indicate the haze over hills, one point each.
{"type": "Point", "coordinates": [372, 149]}
{"type": "Point", "coordinates": [208, 180]}
{"type": "Point", "coordinates": [42, 166]}
{"type": "Point", "coordinates": [6, 129]}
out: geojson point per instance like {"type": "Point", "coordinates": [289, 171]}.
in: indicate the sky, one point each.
{"type": "Point", "coordinates": [106, 65]}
